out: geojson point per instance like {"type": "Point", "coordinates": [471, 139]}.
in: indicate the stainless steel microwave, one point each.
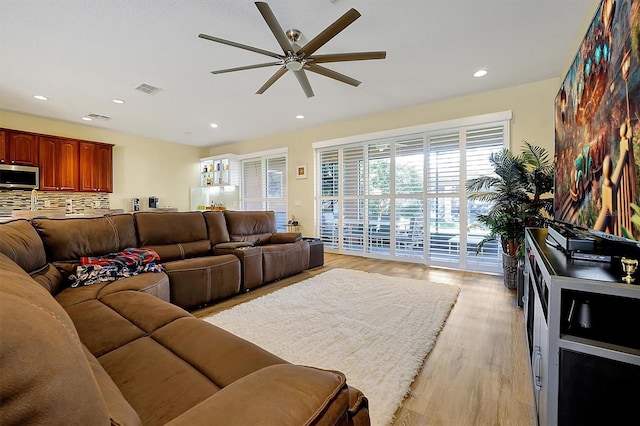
{"type": "Point", "coordinates": [19, 177]}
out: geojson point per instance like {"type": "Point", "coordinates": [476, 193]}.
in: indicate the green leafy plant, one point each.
{"type": "Point", "coordinates": [517, 193]}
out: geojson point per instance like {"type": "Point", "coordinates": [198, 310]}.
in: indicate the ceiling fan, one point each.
{"type": "Point", "coordinates": [300, 58]}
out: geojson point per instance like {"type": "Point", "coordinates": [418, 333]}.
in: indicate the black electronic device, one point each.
{"type": "Point", "coordinates": [570, 238]}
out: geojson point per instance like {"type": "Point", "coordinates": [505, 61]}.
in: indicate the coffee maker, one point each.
{"type": "Point", "coordinates": [153, 202]}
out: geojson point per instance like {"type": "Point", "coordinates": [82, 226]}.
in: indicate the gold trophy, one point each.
{"type": "Point", "coordinates": [629, 266]}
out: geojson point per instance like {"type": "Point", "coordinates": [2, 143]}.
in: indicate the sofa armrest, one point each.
{"type": "Point", "coordinates": [285, 237]}
{"type": "Point", "coordinates": [232, 245]}
{"type": "Point", "coordinates": [282, 394]}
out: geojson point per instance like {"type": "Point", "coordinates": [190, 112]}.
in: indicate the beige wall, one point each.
{"type": "Point", "coordinates": [532, 120]}
{"type": "Point", "coordinates": [141, 166]}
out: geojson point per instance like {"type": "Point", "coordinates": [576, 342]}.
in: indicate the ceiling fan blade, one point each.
{"type": "Point", "coordinates": [332, 74]}
{"type": "Point", "coordinates": [304, 83]}
{"type": "Point", "coordinates": [274, 26]}
{"type": "Point", "coordinates": [247, 67]}
{"type": "Point", "coordinates": [272, 80]}
{"type": "Point", "coordinates": [330, 32]}
{"type": "Point", "coordinates": [343, 57]}
{"type": "Point", "coordinates": [241, 46]}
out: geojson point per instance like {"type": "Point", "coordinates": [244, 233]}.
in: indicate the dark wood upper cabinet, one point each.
{"type": "Point", "coordinates": [20, 149]}
{"type": "Point", "coordinates": [65, 164]}
{"type": "Point", "coordinates": [96, 167]}
{"type": "Point", "coordinates": [3, 147]}
{"type": "Point", "coordinates": [59, 164]}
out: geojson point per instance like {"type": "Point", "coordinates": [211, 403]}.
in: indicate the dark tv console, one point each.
{"type": "Point", "coordinates": [583, 331]}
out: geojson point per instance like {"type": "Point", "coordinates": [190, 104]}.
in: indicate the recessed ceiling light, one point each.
{"type": "Point", "coordinates": [85, 118]}
{"type": "Point", "coordinates": [299, 116]}
{"type": "Point", "coordinates": [214, 125]}
{"type": "Point", "coordinates": [40, 97]}
{"type": "Point", "coordinates": [117, 101]}
{"type": "Point", "coordinates": [480, 73]}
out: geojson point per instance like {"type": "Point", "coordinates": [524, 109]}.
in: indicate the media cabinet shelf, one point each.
{"type": "Point", "coordinates": [583, 331]}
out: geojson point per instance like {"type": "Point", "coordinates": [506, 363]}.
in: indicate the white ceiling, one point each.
{"type": "Point", "coordinates": [83, 53]}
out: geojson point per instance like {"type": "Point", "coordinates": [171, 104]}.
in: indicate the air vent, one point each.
{"type": "Point", "coordinates": [148, 89]}
{"type": "Point", "coordinates": [98, 117]}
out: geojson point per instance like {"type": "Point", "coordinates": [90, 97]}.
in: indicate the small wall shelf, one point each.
{"type": "Point", "coordinates": [221, 170]}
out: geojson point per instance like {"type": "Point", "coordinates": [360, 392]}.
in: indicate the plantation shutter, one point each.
{"type": "Point", "coordinates": [353, 184]}
{"type": "Point", "coordinates": [264, 186]}
{"type": "Point", "coordinates": [409, 189]}
{"type": "Point", "coordinates": [252, 185]}
{"type": "Point", "coordinates": [443, 195]}
{"type": "Point", "coordinates": [276, 189]}
{"type": "Point", "coordinates": [481, 143]}
{"type": "Point", "coordinates": [329, 192]}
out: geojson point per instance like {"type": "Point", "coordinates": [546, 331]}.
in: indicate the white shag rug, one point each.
{"type": "Point", "coordinates": [375, 329]}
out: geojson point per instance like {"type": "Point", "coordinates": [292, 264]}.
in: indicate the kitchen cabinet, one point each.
{"type": "Point", "coordinates": [18, 148]}
{"type": "Point", "coordinates": [3, 147]}
{"type": "Point", "coordinates": [582, 330]}
{"type": "Point", "coordinates": [59, 164]}
{"type": "Point", "coordinates": [96, 167]}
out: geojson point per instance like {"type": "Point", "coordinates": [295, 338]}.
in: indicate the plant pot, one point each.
{"type": "Point", "coordinates": [510, 269]}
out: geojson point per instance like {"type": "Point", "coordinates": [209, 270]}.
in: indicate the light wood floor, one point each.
{"type": "Point", "coordinates": [477, 373]}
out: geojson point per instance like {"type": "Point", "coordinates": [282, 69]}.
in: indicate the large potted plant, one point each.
{"type": "Point", "coordinates": [517, 192]}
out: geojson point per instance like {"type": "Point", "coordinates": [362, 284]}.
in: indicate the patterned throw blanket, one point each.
{"type": "Point", "coordinates": [113, 266]}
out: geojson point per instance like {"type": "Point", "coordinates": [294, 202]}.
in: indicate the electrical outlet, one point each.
{"type": "Point", "coordinates": [47, 203]}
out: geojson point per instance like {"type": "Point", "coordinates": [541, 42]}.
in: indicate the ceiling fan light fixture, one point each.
{"type": "Point", "coordinates": [213, 125]}
{"type": "Point", "coordinates": [480, 73]}
{"type": "Point", "coordinates": [294, 64]}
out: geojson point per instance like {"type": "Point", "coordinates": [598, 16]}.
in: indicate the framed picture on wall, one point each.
{"type": "Point", "coordinates": [301, 171]}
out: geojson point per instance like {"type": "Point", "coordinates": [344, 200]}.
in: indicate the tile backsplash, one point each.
{"type": "Point", "coordinates": [73, 202]}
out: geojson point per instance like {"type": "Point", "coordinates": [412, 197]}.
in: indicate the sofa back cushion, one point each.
{"type": "Point", "coordinates": [46, 378]}
{"type": "Point", "coordinates": [251, 225]}
{"type": "Point", "coordinates": [20, 242]}
{"type": "Point", "coordinates": [173, 236]}
{"type": "Point", "coordinates": [70, 239]}
{"type": "Point", "coordinates": [216, 227]}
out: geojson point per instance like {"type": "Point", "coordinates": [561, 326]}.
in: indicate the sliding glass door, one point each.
{"type": "Point", "coordinates": [403, 197]}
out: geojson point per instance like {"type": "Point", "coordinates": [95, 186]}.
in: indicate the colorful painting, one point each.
{"type": "Point", "coordinates": [597, 126]}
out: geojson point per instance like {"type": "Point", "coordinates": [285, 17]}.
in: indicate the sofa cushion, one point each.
{"type": "Point", "coordinates": [158, 384]}
{"type": "Point", "coordinates": [20, 242]}
{"type": "Point", "coordinates": [173, 236]}
{"type": "Point", "coordinates": [313, 397]}
{"type": "Point", "coordinates": [216, 227]}
{"type": "Point", "coordinates": [70, 239]}
{"type": "Point", "coordinates": [250, 222]}
{"type": "Point", "coordinates": [170, 228]}
{"type": "Point", "coordinates": [156, 284]}
{"type": "Point", "coordinates": [119, 318]}
{"type": "Point", "coordinates": [178, 251]}
{"type": "Point", "coordinates": [53, 393]}
{"type": "Point", "coordinates": [120, 411]}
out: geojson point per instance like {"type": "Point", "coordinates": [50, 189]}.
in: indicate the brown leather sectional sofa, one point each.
{"type": "Point", "coordinates": [119, 353]}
